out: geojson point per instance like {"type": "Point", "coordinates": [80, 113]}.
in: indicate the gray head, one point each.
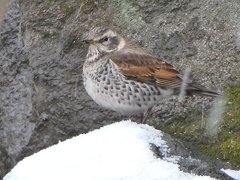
{"type": "Point", "coordinates": [103, 41]}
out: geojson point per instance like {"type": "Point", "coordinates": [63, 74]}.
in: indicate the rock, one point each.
{"type": "Point", "coordinates": [42, 98]}
{"type": "Point", "coordinates": [3, 10]}
{"type": "Point", "coordinates": [193, 161]}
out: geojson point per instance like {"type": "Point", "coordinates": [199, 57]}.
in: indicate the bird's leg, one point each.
{"type": "Point", "coordinates": [145, 116]}
{"type": "Point", "coordinates": [141, 117]}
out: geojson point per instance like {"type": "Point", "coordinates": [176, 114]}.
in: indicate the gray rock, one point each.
{"type": "Point", "coordinates": [3, 10]}
{"type": "Point", "coordinates": [42, 98]}
{"type": "Point", "coordinates": [191, 160]}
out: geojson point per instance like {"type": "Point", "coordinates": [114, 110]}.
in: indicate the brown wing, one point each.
{"type": "Point", "coordinates": [138, 64]}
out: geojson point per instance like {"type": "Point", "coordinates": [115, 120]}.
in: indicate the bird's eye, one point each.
{"type": "Point", "coordinates": [105, 38]}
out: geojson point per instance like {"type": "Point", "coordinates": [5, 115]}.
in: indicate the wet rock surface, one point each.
{"type": "Point", "coordinates": [42, 97]}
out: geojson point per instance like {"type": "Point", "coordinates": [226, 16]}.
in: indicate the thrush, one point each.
{"type": "Point", "coordinates": [126, 78]}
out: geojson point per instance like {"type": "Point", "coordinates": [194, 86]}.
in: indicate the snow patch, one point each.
{"type": "Point", "coordinates": [117, 151]}
{"type": "Point", "coordinates": [232, 173]}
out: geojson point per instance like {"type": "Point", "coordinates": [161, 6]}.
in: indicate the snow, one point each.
{"type": "Point", "coordinates": [234, 174]}
{"type": "Point", "coordinates": [120, 151]}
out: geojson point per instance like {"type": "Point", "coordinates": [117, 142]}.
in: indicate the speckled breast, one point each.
{"type": "Point", "coordinates": [109, 88]}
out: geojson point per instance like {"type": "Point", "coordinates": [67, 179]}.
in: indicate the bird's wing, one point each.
{"type": "Point", "coordinates": [144, 67]}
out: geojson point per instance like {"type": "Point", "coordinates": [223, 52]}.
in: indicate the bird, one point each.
{"type": "Point", "coordinates": [125, 77]}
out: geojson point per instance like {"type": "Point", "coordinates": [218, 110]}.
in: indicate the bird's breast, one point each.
{"type": "Point", "coordinates": [107, 86]}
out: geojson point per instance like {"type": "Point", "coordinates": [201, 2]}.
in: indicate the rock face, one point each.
{"type": "Point", "coordinates": [191, 160]}
{"type": "Point", "coordinates": [3, 10]}
{"type": "Point", "coordinates": [42, 98]}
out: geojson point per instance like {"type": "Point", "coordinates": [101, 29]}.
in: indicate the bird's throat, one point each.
{"type": "Point", "coordinates": [93, 54]}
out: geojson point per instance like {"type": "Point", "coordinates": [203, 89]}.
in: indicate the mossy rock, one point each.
{"type": "Point", "coordinates": [224, 146]}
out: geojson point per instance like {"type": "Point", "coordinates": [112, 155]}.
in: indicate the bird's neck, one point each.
{"type": "Point", "coordinates": [93, 54]}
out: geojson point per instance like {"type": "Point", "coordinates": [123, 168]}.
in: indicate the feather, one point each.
{"type": "Point", "coordinates": [137, 63]}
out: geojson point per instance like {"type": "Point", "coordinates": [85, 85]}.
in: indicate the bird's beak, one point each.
{"type": "Point", "coordinates": [90, 41]}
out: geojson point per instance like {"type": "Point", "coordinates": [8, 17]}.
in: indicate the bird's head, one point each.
{"type": "Point", "coordinates": [104, 40]}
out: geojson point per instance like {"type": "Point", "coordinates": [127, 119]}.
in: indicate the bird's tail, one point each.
{"type": "Point", "coordinates": [201, 91]}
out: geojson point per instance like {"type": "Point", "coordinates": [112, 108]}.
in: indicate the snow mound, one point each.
{"type": "Point", "coordinates": [120, 151]}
